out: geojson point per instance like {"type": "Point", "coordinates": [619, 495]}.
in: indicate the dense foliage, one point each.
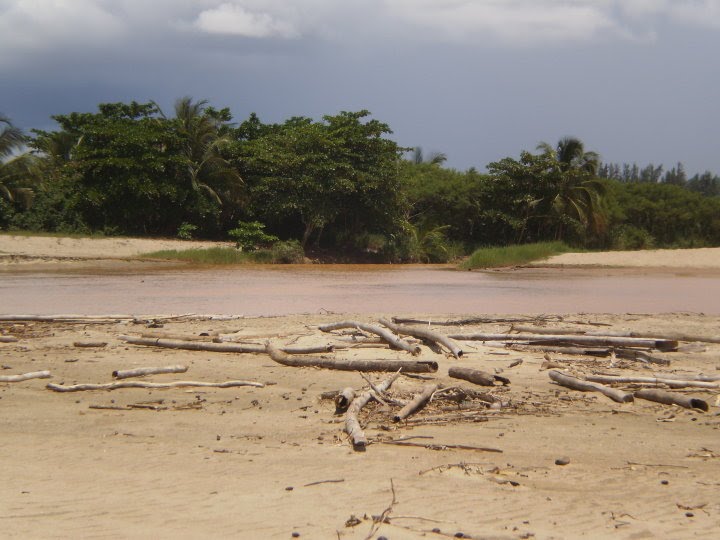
{"type": "Point", "coordinates": [338, 188]}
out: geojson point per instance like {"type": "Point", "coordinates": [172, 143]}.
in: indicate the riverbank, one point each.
{"type": "Point", "coordinates": [273, 461]}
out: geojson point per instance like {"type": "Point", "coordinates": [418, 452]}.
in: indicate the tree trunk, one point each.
{"type": "Point", "coordinates": [602, 341]}
{"type": "Point", "coordinates": [669, 398]}
{"type": "Point", "coordinates": [140, 372]}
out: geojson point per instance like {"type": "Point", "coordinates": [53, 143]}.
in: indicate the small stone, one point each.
{"type": "Point", "coordinates": [436, 530]}
{"type": "Point", "coordinates": [664, 482]}
{"type": "Point", "coordinates": [296, 534]}
{"type": "Point", "coordinates": [689, 514]}
{"type": "Point", "coordinates": [289, 488]}
{"type": "Point", "coordinates": [562, 461]}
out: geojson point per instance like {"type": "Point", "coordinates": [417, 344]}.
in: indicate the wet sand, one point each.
{"type": "Point", "coordinates": [268, 462]}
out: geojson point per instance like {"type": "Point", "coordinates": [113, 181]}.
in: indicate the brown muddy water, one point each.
{"type": "Point", "coordinates": [280, 290]}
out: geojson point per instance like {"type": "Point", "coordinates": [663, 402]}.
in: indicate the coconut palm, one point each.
{"type": "Point", "coordinates": [13, 170]}
{"type": "Point", "coordinates": [570, 154]}
{"type": "Point", "coordinates": [208, 170]}
{"type": "Point", "coordinates": [434, 158]}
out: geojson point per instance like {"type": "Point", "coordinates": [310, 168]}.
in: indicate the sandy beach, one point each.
{"type": "Point", "coordinates": [525, 459]}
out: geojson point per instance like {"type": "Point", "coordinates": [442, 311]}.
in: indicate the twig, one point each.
{"type": "Point", "coordinates": [324, 482]}
{"type": "Point", "coordinates": [377, 522]}
{"type": "Point", "coordinates": [138, 384]}
{"type": "Point", "coordinates": [444, 446]}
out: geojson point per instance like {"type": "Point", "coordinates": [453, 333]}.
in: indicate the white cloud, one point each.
{"type": "Point", "coordinates": [235, 19]}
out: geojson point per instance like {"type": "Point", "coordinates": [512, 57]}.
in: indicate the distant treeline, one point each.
{"type": "Point", "coordinates": [339, 187]}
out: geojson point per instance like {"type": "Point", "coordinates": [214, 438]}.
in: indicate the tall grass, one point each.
{"type": "Point", "coordinates": [214, 255]}
{"type": "Point", "coordinates": [494, 257]}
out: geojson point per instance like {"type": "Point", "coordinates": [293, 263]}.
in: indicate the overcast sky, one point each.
{"type": "Point", "coordinates": [636, 80]}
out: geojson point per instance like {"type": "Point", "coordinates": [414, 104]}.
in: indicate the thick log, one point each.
{"type": "Point", "coordinates": [602, 341]}
{"type": "Point", "coordinates": [25, 376]}
{"type": "Point", "coordinates": [352, 425]}
{"type": "Point", "coordinates": [584, 386]}
{"type": "Point", "coordinates": [407, 366]}
{"type": "Point", "coordinates": [476, 376]}
{"type": "Point", "coordinates": [581, 351]}
{"type": "Point", "coordinates": [464, 322]}
{"type": "Point", "coordinates": [673, 336]}
{"type": "Point", "coordinates": [138, 384]}
{"type": "Point", "coordinates": [417, 403]}
{"type": "Point", "coordinates": [218, 347]}
{"type": "Point", "coordinates": [670, 398]}
{"type": "Point", "coordinates": [8, 339]}
{"type": "Point", "coordinates": [140, 372]}
{"type": "Point", "coordinates": [672, 383]}
{"type": "Point", "coordinates": [425, 334]}
{"type": "Point", "coordinates": [343, 399]}
{"type": "Point", "coordinates": [388, 336]}
{"type": "Point", "coordinates": [698, 377]}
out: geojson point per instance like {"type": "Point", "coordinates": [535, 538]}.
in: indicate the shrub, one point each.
{"type": "Point", "coordinates": [629, 237]}
{"type": "Point", "coordinates": [185, 231]}
{"type": "Point", "coordinates": [249, 236]}
{"type": "Point", "coordinates": [288, 252]}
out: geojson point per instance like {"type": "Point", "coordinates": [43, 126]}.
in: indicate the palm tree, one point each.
{"type": "Point", "coordinates": [13, 170]}
{"type": "Point", "coordinates": [577, 193]}
{"type": "Point", "coordinates": [435, 158]}
{"type": "Point", "coordinates": [207, 169]}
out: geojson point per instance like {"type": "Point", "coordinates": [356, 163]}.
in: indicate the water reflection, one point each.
{"type": "Point", "coordinates": [277, 290]}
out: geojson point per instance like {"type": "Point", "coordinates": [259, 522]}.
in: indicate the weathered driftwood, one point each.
{"type": "Point", "coordinates": [545, 330]}
{"type": "Point", "coordinates": [140, 372]}
{"type": "Point", "coordinates": [444, 446]}
{"type": "Point", "coordinates": [672, 383]}
{"type": "Point", "coordinates": [181, 337]}
{"type": "Point", "coordinates": [352, 425]}
{"type": "Point", "coordinates": [476, 376]}
{"type": "Point", "coordinates": [581, 351]}
{"type": "Point", "coordinates": [641, 356]}
{"type": "Point", "coordinates": [670, 398]}
{"type": "Point", "coordinates": [574, 383]}
{"type": "Point", "coordinates": [417, 403]}
{"type": "Point", "coordinates": [467, 321]}
{"type": "Point", "coordinates": [218, 347]}
{"type": "Point", "coordinates": [388, 336]}
{"type": "Point", "coordinates": [25, 376]}
{"type": "Point", "coordinates": [602, 341]}
{"type": "Point", "coordinates": [425, 334]}
{"type": "Point", "coordinates": [90, 344]}
{"type": "Point", "coordinates": [409, 366]}
{"type": "Point", "coordinates": [89, 319]}
{"type": "Point", "coordinates": [343, 399]}
{"type": "Point", "coordinates": [8, 339]}
{"type": "Point", "coordinates": [139, 384]}
{"type": "Point", "coordinates": [674, 336]}
{"type": "Point", "coordinates": [698, 377]}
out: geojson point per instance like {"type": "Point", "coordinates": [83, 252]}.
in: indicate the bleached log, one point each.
{"type": "Point", "coordinates": [602, 341]}
{"type": "Point", "coordinates": [642, 356]}
{"type": "Point", "coordinates": [580, 351]}
{"type": "Point", "coordinates": [352, 425]}
{"type": "Point", "coordinates": [476, 376]}
{"type": "Point", "coordinates": [139, 384]}
{"type": "Point", "coordinates": [674, 336]}
{"type": "Point", "coordinates": [672, 383]}
{"type": "Point", "coordinates": [140, 372]}
{"type": "Point", "coordinates": [417, 403]}
{"type": "Point", "coordinates": [670, 398]}
{"type": "Point", "coordinates": [574, 383]}
{"type": "Point", "coordinates": [25, 376]}
{"type": "Point", "coordinates": [466, 321]}
{"type": "Point", "coordinates": [387, 335]}
{"type": "Point", "coordinates": [407, 366]}
{"type": "Point", "coordinates": [343, 399]}
{"type": "Point", "coordinates": [424, 333]}
{"type": "Point", "coordinates": [8, 339]}
{"type": "Point", "coordinates": [218, 347]}
{"type": "Point", "coordinates": [179, 337]}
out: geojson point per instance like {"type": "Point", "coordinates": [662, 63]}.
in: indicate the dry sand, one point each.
{"type": "Point", "coordinates": [701, 258]}
{"type": "Point", "coordinates": [273, 461]}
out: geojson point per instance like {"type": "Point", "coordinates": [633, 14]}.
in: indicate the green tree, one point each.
{"type": "Point", "coordinates": [12, 170]}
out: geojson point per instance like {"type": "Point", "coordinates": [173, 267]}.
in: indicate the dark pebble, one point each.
{"type": "Point", "coordinates": [436, 530]}
{"type": "Point", "coordinates": [664, 482]}
{"type": "Point", "coordinates": [296, 535]}
{"type": "Point", "coordinates": [562, 461]}
{"type": "Point", "coordinates": [689, 514]}
{"type": "Point", "coordinates": [289, 488]}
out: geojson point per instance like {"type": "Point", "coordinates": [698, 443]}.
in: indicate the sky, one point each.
{"type": "Point", "coordinates": [479, 80]}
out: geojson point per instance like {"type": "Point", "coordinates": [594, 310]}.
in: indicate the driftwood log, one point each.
{"type": "Point", "coordinates": [425, 334]}
{"type": "Point", "coordinates": [641, 356]}
{"type": "Point", "coordinates": [670, 398]}
{"type": "Point", "coordinates": [476, 376]}
{"type": "Point", "coordinates": [417, 403]}
{"type": "Point", "coordinates": [574, 383]}
{"type": "Point", "coordinates": [352, 425]}
{"type": "Point", "coordinates": [672, 383]}
{"type": "Point", "coordinates": [218, 347]}
{"type": "Point", "coordinates": [407, 366]}
{"type": "Point", "coordinates": [343, 399]}
{"type": "Point", "coordinates": [602, 341]}
{"type": "Point", "coordinates": [389, 337]}
{"type": "Point", "coordinates": [674, 336]}
{"type": "Point", "coordinates": [467, 321]}
{"type": "Point", "coordinates": [138, 384]}
{"type": "Point", "coordinates": [141, 372]}
{"type": "Point", "coordinates": [25, 376]}
{"type": "Point", "coordinates": [8, 339]}
{"type": "Point", "coordinates": [90, 344]}
{"type": "Point", "coordinates": [580, 351]}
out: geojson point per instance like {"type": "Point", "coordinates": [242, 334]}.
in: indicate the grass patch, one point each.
{"type": "Point", "coordinates": [494, 257]}
{"type": "Point", "coordinates": [215, 255]}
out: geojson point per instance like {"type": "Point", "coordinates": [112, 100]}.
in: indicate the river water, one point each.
{"type": "Point", "coordinates": [279, 290]}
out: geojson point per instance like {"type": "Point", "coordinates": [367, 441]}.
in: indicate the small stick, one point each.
{"type": "Point", "coordinates": [444, 446]}
{"type": "Point", "coordinates": [25, 376]}
{"type": "Point", "coordinates": [417, 403]}
{"type": "Point", "coordinates": [90, 344]}
{"type": "Point", "coordinates": [379, 520]}
{"type": "Point", "coordinates": [324, 482]}
{"type": "Point", "coordinates": [138, 384]}
{"type": "Point", "coordinates": [140, 372]}
{"type": "Point", "coordinates": [577, 384]}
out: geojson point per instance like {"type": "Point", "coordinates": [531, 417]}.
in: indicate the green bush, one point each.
{"type": "Point", "coordinates": [629, 237]}
{"type": "Point", "coordinates": [186, 230]}
{"type": "Point", "coordinates": [288, 252]}
{"type": "Point", "coordinates": [493, 257]}
{"type": "Point", "coordinates": [249, 236]}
